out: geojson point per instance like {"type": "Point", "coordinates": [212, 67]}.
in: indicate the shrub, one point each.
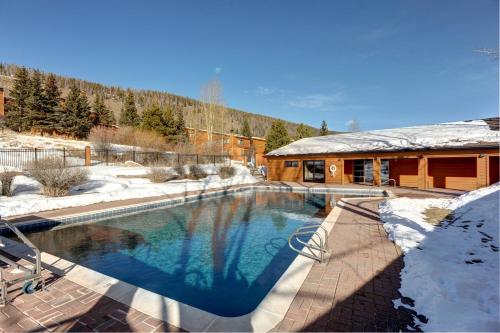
{"type": "Point", "coordinates": [196, 172]}
{"type": "Point", "coordinates": [226, 172]}
{"type": "Point", "coordinates": [180, 172]}
{"type": "Point", "coordinates": [102, 137]}
{"type": "Point", "coordinates": [132, 136]}
{"type": "Point", "coordinates": [55, 177]}
{"type": "Point", "coordinates": [6, 178]}
{"type": "Point", "coordinates": [160, 175]}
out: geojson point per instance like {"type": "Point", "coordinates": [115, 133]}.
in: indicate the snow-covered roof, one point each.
{"type": "Point", "coordinates": [440, 136]}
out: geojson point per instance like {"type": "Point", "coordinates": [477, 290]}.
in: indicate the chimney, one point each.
{"type": "Point", "coordinates": [2, 103]}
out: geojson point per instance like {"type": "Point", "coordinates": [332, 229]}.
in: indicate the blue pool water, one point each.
{"type": "Point", "coordinates": [221, 254]}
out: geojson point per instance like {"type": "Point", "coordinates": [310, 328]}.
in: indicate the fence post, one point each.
{"type": "Point", "coordinates": [107, 156]}
{"type": "Point", "coordinates": [64, 156]}
{"type": "Point", "coordinates": [133, 155]}
{"type": "Point", "coordinates": [87, 156]}
{"type": "Point", "coordinates": [197, 161]}
{"type": "Point", "coordinates": [36, 154]}
{"type": "Point", "coordinates": [178, 158]}
{"type": "Point", "coordinates": [157, 157]}
{"type": "Point", "coordinates": [214, 159]}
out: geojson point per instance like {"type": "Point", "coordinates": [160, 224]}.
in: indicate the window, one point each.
{"type": "Point", "coordinates": [291, 164]}
{"type": "Point", "coordinates": [240, 142]}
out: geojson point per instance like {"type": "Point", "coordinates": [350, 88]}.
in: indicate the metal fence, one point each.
{"type": "Point", "coordinates": [149, 158]}
{"type": "Point", "coordinates": [20, 158]}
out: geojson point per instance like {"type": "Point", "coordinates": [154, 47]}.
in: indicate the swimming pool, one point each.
{"type": "Point", "coordinates": [221, 254]}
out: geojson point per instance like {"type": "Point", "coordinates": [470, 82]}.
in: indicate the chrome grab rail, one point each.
{"type": "Point", "coordinates": [34, 275]}
{"type": "Point", "coordinates": [388, 182]}
{"type": "Point", "coordinates": [321, 246]}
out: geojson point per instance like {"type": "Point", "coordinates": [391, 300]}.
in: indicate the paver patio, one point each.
{"type": "Point", "coordinates": [353, 290]}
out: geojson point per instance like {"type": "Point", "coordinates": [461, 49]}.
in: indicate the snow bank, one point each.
{"type": "Point", "coordinates": [105, 184]}
{"type": "Point", "coordinates": [13, 140]}
{"type": "Point", "coordinates": [444, 135]}
{"type": "Point", "coordinates": [451, 271]}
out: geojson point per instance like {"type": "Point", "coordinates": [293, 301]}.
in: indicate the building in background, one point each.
{"type": "Point", "coordinates": [461, 155]}
{"type": "Point", "coordinates": [2, 103]}
{"type": "Point", "coordinates": [237, 146]}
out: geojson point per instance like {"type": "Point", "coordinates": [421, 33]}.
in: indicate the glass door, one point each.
{"type": "Point", "coordinates": [363, 171]}
{"type": "Point", "coordinates": [384, 171]}
{"type": "Point", "coordinates": [314, 171]}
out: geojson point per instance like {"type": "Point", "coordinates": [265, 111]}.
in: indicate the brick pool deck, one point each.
{"type": "Point", "coordinates": [352, 291]}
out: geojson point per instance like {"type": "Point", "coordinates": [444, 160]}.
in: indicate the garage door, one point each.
{"type": "Point", "coordinates": [458, 173]}
{"type": "Point", "coordinates": [494, 169]}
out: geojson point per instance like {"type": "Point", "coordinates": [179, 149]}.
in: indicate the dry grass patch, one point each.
{"type": "Point", "coordinates": [436, 215]}
{"type": "Point", "coordinates": [160, 175]}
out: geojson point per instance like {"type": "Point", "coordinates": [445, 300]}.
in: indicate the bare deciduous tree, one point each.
{"type": "Point", "coordinates": [353, 125]}
{"type": "Point", "coordinates": [492, 53]}
{"type": "Point", "coordinates": [213, 108]}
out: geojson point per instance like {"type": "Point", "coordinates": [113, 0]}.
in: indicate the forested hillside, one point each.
{"type": "Point", "coordinates": [190, 108]}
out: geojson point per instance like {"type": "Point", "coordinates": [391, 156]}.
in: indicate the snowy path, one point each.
{"type": "Point", "coordinates": [452, 270]}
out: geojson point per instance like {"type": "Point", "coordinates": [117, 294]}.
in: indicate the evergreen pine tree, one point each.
{"type": "Point", "coordinates": [76, 116]}
{"type": "Point", "coordinates": [17, 111]}
{"type": "Point", "coordinates": [129, 115]}
{"type": "Point", "coordinates": [68, 119]}
{"type": "Point", "coordinates": [83, 120]}
{"type": "Point", "coordinates": [324, 129]}
{"type": "Point", "coordinates": [170, 126]}
{"type": "Point", "coordinates": [180, 126]}
{"type": "Point", "coordinates": [101, 114]}
{"type": "Point", "coordinates": [36, 117]}
{"type": "Point", "coordinates": [246, 131]}
{"type": "Point", "coordinates": [53, 108]}
{"type": "Point", "coordinates": [152, 119]}
{"type": "Point", "coordinates": [277, 136]}
{"type": "Point", "coordinates": [303, 132]}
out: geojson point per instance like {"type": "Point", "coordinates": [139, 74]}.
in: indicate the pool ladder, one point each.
{"type": "Point", "coordinates": [317, 245]}
{"type": "Point", "coordinates": [33, 275]}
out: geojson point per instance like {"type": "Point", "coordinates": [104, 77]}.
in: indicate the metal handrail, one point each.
{"type": "Point", "coordinates": [322, 246]}
{"type": "Point", "coordinates": [388, 181]}
{"type": "Point", "coordinates": [33, 276]}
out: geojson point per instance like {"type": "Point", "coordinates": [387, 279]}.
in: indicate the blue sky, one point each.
{"type": "Point", "coordinates": [384, 63]}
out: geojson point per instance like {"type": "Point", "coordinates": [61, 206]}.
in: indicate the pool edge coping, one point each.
{"type": "Point", "coordinates": [270, 311]}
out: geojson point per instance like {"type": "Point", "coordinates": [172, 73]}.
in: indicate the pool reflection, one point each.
{"type": "Point", "coordinates": [221, 255]}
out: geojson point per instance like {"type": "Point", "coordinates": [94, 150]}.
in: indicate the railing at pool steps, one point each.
{"type": "Point", "coordinates": [33, 275]}
{"type": "Point", "coordinates": [388, 182]}
{"type": "Point", "coordinates": [316, 246]}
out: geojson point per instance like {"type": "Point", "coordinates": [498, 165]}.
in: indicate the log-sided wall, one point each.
{"type": "Point", "coordinates": [454, 169]}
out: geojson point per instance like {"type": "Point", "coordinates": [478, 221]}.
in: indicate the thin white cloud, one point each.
{"type": "Point", "coordinates": [265, 91]}
{"type": "Point", "coordinates": [218, 70]}
{"type": "Point", "coordinates": [315, 101]}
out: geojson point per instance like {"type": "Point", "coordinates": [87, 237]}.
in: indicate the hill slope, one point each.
{"type": "Point", "coordinates": [259, 124]}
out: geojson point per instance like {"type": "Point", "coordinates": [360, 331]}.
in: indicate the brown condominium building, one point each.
{"type": "Point", "coordinates": [237, 146]}
{"type": "Point", "coordinates": [460, 155]}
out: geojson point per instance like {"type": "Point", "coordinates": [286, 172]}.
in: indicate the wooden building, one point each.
{"type": "Point", "coordinates": [237, 146]}
{"type": "Point", "coordinates": [461, 155]}
{"type": "Point", "coordinates": [2, 103]}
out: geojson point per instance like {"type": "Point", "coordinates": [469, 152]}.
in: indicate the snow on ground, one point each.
{"type": "Point", "coordinates": [13, 140]}
{"type": "Point", "coordinates": [9, 139]}
{"type": "Point", "coordinates": [452, 270]}
{"type": "Point", "coordinates": [105, 185]}
{"type": "Point", "coordinates": [454, 134]}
